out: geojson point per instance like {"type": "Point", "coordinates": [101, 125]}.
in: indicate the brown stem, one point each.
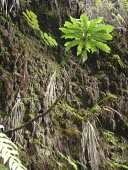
{"type": "Point", "coordinates": [51, 107]}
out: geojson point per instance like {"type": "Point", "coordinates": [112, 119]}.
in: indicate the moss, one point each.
{"type": "Point", "coordinates": [91, 84]}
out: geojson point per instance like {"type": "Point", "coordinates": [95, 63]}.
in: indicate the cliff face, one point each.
{"type": "Point", "coordinates": [87, 128]}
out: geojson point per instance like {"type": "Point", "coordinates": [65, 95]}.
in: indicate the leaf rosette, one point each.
{"type": "Point", "coordinates": [87, 35]}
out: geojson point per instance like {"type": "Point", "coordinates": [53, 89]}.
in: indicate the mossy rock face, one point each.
{"type": "Point", "coordinates": [31, 73]}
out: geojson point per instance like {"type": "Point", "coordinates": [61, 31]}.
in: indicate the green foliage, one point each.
{"type": "Point", "coordinates": [9, 152]}
{"type": "Point", "coordinates": [119, 18]}
{"type": "Point", "coordinates": [31, 19]}
{"type": "Point", "coordinates": [117, 57]}
{"type": "Point", "coordinates": [70, 110]}
{"type": "Point", "coordinates": [71, 161]}
{"type": "Point", "coordinates": [87, 35]}
{"type": "Point", "coordinates": [124, 3]}
{"type": "Point", "coordinates": [33, 22]}
{"type": "Point", "coordinates": [110, 137]}
{"type": "Point", "coordinates": [116, 160]}
{"type": "Point", "coordinates": [114, 165]}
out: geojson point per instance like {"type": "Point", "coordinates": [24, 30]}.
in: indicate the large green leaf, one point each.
{"type": "Point", "coordinates": [76, 35]}
{"type": "Point", "coordinates": [103, 37]}
{"type": "Point", "coordinates": [102, 46]}
{"type": "Point", "coordinates": [68, 24]}
{"type": "Point", "coordinates": [71, 44]}
{"type": "Point", "coordinates": [74, 21]}
{"type": "Point", "coordinates": [106, 28]}
{"type": "Point", "coordinates": [79, 48]}
{"type": "Point", "coordinates": [70, 30]}
{"type": "Point", "coordinates": [98, 20]}
{"type": "Point", "coordinates": [91, 25]}
{"type": "Point", "coordinates": [90, 47]}
{"type": "Point", "coordinates": [84, 56]}
{"type": "Point", "coordinates": [84, 20]}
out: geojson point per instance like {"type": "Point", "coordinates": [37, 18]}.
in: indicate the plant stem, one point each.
{"type": "Point", "coordinates": [51, 107]}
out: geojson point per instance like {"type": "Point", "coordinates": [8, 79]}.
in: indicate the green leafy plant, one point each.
{"type": "Point", "coordinates": [9, 152]}
{"type": "Point", "coordinates": [124, 3]}
{"type": "Point", "coordinates": [33, 22]}
{"type": "Point", "coordinates": [87, 35]}
{"type": "Point", "coordinates": [71, 161]}
{"type": "Point", "coordinates": [115, 162]}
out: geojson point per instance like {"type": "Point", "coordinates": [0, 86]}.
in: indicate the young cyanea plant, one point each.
{"type": "Point", "coordinates": [87, 35]}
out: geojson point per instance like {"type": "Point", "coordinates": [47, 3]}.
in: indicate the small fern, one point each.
{"type": "Point", "coordinates": [9, 152]}
{"type": "Point", "coordinates": [33, 22]}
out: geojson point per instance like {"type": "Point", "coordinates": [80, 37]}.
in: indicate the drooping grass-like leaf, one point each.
{"type": "Point", "coordinates": [90, 141]}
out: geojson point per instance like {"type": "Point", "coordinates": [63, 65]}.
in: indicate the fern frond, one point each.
{"type": "Point", "coordinates": [9, 153]}
{"type": "Point", "coordinates": [32, 20]}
